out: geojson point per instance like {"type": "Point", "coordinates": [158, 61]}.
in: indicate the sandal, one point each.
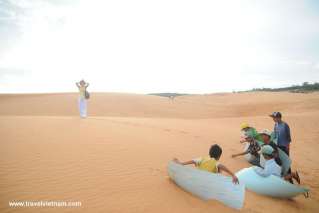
{"type": "Point", "coordinates": [296, 177]}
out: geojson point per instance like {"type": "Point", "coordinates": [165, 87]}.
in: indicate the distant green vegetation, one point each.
{"type": "Point", "coordinates": [304, 88]}
{"type": "Point", "coordinates": [167, 94]}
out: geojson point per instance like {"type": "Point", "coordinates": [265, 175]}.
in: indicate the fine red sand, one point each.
{"type": "Point", "coordinates": [115, 160]}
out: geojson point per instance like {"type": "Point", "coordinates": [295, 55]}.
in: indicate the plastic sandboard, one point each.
{"type": "Point", "coordinates": [207, 185]}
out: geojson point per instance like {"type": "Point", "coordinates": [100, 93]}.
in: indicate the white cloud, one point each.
{"type": "Point", "coordinates": [143, 46]}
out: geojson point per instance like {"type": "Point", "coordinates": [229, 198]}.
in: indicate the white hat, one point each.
{"type": "Point", "coordinates": [265, 132]}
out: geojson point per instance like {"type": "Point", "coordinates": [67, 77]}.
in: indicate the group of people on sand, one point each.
{"type": "Point", "coordinates": [271, 148]}
{"type": "Point", "coordinates": [268, 151]}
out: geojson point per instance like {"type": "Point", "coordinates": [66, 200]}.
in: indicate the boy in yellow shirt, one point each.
{"type": "Point", "coordinates": [210, 163]}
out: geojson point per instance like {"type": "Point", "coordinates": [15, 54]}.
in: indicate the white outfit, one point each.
{"type": "Point", "coordinates": [82, 107]}
{"type": "Point", "coordinates": [271, 168]}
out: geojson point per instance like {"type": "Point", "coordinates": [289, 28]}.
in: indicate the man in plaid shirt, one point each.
{"type": "Point", "coordinates": [253, 149]}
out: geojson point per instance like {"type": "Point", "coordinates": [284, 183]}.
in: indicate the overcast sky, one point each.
{"type": "Point", "coordinates": [157, 46]}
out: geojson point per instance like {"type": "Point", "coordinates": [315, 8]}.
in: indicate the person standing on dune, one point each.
{"type": "Point", "coordinates": [282, 132]}
{"type": "Point", "coordinates": [83, 96]}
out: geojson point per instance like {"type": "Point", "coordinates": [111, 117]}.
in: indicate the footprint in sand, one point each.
{"type": "Point", "coordinates": [156, 171]}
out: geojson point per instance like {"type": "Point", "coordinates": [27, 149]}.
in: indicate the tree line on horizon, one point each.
{"type": "Point", "coordinates": [304, 88]}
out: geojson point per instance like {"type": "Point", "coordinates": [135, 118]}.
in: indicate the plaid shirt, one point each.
{"type": "Point", "coordinates": [254, 148]}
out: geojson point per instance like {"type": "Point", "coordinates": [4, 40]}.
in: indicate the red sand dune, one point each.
{"type": "Point", "coordinates": [115, 160]}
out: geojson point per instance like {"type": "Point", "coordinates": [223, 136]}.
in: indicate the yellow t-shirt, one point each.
{"type": "Point", "coordinates": [82, 92]}
{"type": "Point", "coordinates": [207, 164]}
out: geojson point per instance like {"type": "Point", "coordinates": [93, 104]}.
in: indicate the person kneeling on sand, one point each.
{"type": "Point", "coordinates": [252, 149]}
{"type": "Point", "coordinates": [266, 137]}
{"type": "Point", "coordinates": [247, 130]}
{"type": "Point", "coordinates": [210, 163]}
{"type": "Point", "coordinates": [271, 167]}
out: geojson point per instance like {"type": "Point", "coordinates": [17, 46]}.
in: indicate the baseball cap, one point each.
{"type": "Point", "coordinates": [244, 125]}
{"type": "Point", "coordinates": [267, 149]}
{"type": "Point", "coordinates": [276, 115]}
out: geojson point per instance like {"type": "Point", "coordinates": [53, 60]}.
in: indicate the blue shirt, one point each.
{"type": "Point", "coordinates": [282, 134]}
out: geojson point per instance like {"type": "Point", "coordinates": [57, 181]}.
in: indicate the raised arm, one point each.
{"type": "Point", "coordinates": [87, 85]}
{"type": "Point", "coordinates": [77, 84]}
{"type": "Point", "coordinates": [225, 169]}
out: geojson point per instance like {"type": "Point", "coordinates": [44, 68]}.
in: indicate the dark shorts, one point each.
{"type": "Point", "coordinates": [285, 149]}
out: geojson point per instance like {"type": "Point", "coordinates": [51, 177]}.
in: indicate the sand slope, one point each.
{"type": "Point", "coordinates": [131, 105]}
{"type": "Point", "coordinates": [115, 161]}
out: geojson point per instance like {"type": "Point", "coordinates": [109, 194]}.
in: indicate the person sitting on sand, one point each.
{"type": "Point", "coordinates": [252, 149]}
{"type": "Point", "coordinates": [247, 130]}
{"type": "Point", "coordinates": [210, 163]}
{"type": "Point", "coordinates": [271, 167]}
{"type": "Point", "coordinates": [266, 137]}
